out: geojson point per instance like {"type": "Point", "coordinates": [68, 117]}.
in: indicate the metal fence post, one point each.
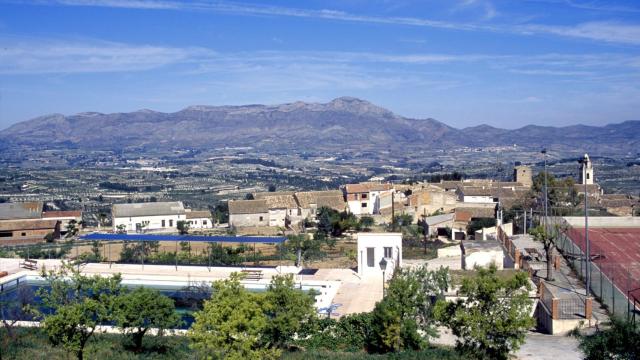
{"type": "Point", "coordinates": [613, 295]}
{"type": "Point", "coordinates": [601, 286]}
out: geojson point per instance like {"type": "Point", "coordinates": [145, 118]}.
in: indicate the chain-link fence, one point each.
{"type": "Point", "coordinates": [614, 284]}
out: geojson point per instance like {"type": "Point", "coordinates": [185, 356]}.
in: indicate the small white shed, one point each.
{"type": "Point", "coordinates": [373, 247]}
{"type": "Point", "coordinates": [481, 253]}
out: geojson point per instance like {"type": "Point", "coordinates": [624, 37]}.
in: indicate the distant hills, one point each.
{"type": "Point", "coordinates": [343, 123]}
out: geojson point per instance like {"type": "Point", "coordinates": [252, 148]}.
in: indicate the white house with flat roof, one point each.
{"type": "Point", "coordinates": [373, 247]}
{"type": "Point", "coordinates": [151, 216]}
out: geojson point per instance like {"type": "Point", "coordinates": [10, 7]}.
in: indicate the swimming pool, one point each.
{"type": "Point", "coordinates": [187, 294]}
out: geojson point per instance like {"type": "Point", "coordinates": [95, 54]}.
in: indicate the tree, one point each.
{"type": "Point", "coordinates": [540, 234]}
{"type": "Point", "coordinates": [79, 304]}
{"type": "Point", "coordinates": [50, 237]}
{"type": "Point", "coordinates": [221, 212]}
{"type": "Point", "coordinates": [12, 310]}
{"type": "Point", "coordinates": [142, 309]}
{"type": "Point", "coordinates": [404, 318]}
{"type": "Point", "coordinates": [493, 316]}
{"type": "Point", "coordinates": [402, 220]}
{"type": "Point", "coordinates": [621, 340]}
{"type": "Point", "coordinates": [304, 247]}
{"type": "Point", "coordinates": [102, 219]}
{"type": "Point", "coordinates": [231, 324]}
{"type": "Point", "coordinates": [367, 222]}
{"type": "Point", "coordinates": [72, 229]}
{"type": "Point", "coordinates": [287, 309]}
{"type": "Point", "coordinates": [183, 227]}
{"type": "Point", "coordinates": [325, 224]}
{"type": "Point", "coordinates": [121, 229]}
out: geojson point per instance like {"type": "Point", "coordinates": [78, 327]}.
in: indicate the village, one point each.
{"type": "Point", "coordinates": [363, 234]}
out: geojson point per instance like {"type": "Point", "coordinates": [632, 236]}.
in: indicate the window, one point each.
{"type": "Point", "coordinates": [388, 252]}
{"type": "Point", "coordinates": [163, 223]}
{"type": "Point", "coordinates": [6, 234]}
{"type": "Point", "coordinates": [587, 176]}
{"type": "Point", "coordinates": [371, 257]}
{"type": "Point", "coordinates": [364, 204]}
{"type": "Point", "coordinates": [204, 222]}
{"type": "Point", "coordinates": [261, 219]}
{"type": "Point", "coordinates": [24, 234]}
{"type": "Point", "coordinates": [171, 223]}
{"type": "Point", "coordinates": [364, 196]}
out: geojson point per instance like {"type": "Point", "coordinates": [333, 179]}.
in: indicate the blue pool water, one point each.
{"type": "Point", "coordinates": [187, 296]}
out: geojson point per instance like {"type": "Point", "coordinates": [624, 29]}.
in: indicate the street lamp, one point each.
{"type": "Point", "coordinates": [586, 227]}
{"type": "Point", "coordinates": [546, 194]}
{"type": "Point", "coordinates": [383, 267]}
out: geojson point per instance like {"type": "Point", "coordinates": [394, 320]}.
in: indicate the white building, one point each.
{"type": "Point", "coordinates": [150, 216]}
{"type": "Point", "coordinates": [368, 198]}
{"type": "Point", "coordinates": [373, 247]}
{"type": "Point", "coordinates": [199, 219]}
{"type": "Point", "coordinates": [477, 195]}
{"type": "Point", "coordinates": [482, 254]}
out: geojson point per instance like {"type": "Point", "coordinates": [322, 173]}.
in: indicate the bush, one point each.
{"type": "Point", "coordinates": [620, 341]}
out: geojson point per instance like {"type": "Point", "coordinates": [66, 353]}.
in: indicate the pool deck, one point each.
{"type": "Point", "coordinates": [355, 294]}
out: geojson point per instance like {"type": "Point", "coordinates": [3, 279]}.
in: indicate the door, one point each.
{"type": "Point", "coordinates": [370, 257]}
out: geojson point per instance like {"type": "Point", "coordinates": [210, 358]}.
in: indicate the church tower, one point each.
{"type": "Point", "coordinates": [586, 171]}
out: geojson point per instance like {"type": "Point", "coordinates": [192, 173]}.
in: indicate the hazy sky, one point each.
{"type": "Point", "coordinates": [507, 63]}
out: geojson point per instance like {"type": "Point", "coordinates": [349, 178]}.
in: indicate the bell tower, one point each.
{"type": "Point", "coordinates": [586, 171]}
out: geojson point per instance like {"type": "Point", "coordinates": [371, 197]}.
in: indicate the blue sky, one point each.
{"type": "Point", "coordinates": [507, 63]}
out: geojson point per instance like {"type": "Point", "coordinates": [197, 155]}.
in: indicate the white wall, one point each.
{"type": "Point", "coordinates": [199, 223]}
{"type": "Point", "coordinates": [484, 259]}
{"type": "Point", "coordinates": [478, 199]}
{"type": "Point", "coordinates": [277, 217]}
{"type": "Point", "coordinates": [154, 222]}
{"type": "Point", "coordinates": [378, 241]}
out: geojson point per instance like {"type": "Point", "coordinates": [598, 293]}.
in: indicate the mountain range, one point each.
{"type": "Point", "coordinates": [344, 123]}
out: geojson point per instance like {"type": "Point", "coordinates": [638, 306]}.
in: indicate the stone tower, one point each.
{"type": "Point", "coordinates": [586, 171]}
{"type": "Point", "coordinates": [522, 175]}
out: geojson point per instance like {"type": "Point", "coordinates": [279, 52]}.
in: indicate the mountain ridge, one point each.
{"type": "Point", "coordinates": [344, 122]}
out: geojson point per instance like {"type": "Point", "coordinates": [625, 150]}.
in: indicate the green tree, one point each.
{"type": "Point", "coordinates": [305, 248]}
{"type": "Point", "coordinates": [79, 304]}
{"type": "Point", "coordinates": [548, 243]}
{"type": "Point", "coordinates": [621, 340]}
{"type": "Point", "coordinates": [403, 320]}
{"type": "Point", "coordinates": [325, 224]}
{"type": "Point", "coordinates": [492, 318]}
{"type": "Point", "coordinates": [402, 220]}
{"type": "Point", "coordinates": [231, 324]}
{"type": "Point", "coordinates": [138, 311]}
{"type": "Point", "coordinates": [287, 309]}
{"type": "Point", "coordinates": [366, 222]}
{"type": "Point", "coordinates": [183, 227]}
